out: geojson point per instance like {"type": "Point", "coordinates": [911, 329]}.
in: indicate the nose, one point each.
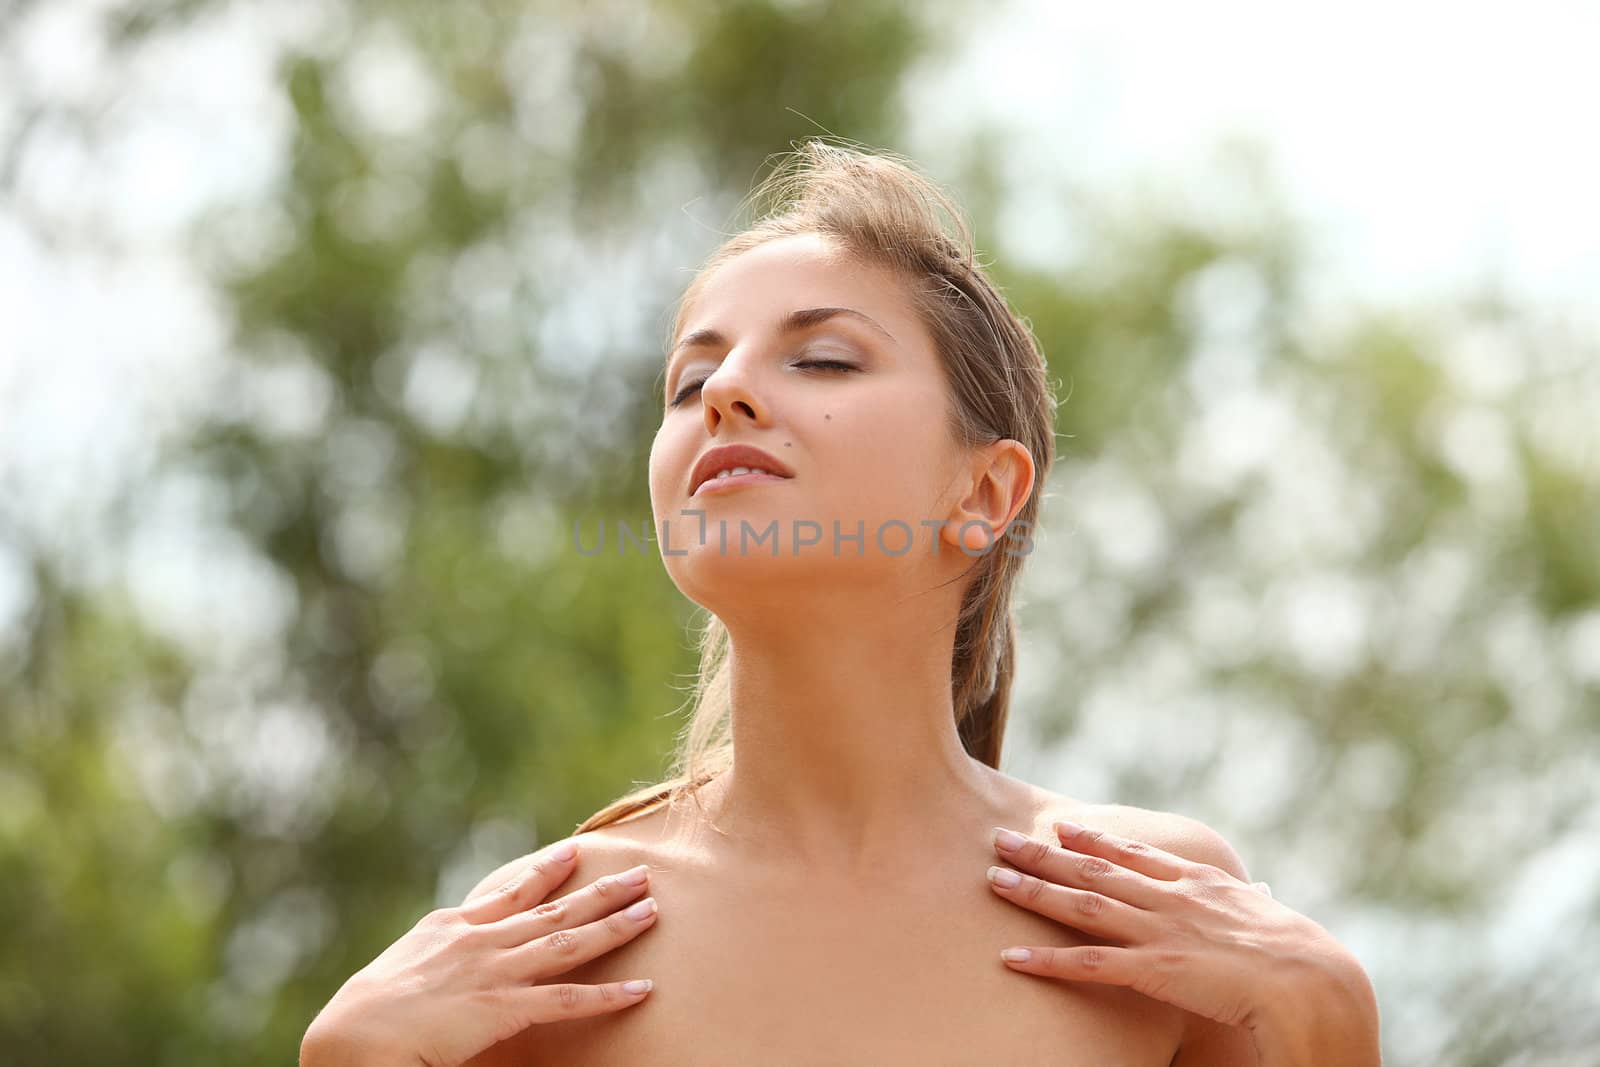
{"type": "Point", "coordinates": [730, 393]}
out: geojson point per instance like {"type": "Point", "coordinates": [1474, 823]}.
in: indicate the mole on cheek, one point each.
{"type": "Point", "coordinates": [827, 416]}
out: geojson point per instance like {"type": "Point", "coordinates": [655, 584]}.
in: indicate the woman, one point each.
{"type": "Point", "coordinates": [856, 431]}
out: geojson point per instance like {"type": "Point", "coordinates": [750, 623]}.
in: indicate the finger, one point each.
{"type": "Point", "coordinates": [562, 950]}
{"type": "Point", "coordinates": [1078, 870]}
{"type": "Point", "coordinates": [1083, 963]}
{"type": "Point", "coordinates": [1077, 908]}
{"type": "Point", "coordinates": [532, 882]}
{"type": "Point", "coordinates": [596, 900]}
{"type": "Point", "coordinates": [569, 1000]}
{"type": "Point", "coordinates": [1264, 887]}
{"type": "Point", "coordinates": [1138, 856]}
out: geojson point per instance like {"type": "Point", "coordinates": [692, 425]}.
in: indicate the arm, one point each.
{"type": "Point", "coordinates": [1328, 1010]}
{"type": "Point", "coordinates": [1331, 1017]}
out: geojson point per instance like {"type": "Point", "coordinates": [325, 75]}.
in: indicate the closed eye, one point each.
{"type": "Point", "coordinates": [838, 364]}
{"type": "Point", "coordinates": [824, 364]}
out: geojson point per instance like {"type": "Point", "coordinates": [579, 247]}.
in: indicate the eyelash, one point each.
{"type": "Point", "coordinates": [831, 364]}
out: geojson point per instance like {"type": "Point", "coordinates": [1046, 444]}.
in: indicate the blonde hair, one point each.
{"type": "Point", "coordinates": [878, 207]}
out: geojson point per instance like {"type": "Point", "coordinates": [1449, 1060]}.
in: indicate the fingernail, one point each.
{"type": "Point", "coordinates": [635, 876]}
{"type": "Point", "coordinates": [642, 910]}
{"type": "Point", "coordinates": [637, 986]}
{"type": "Point", "coordinates": [1004, 877]}
{"type": "Point", "coordinates": [1067, 829]}
{"type": "Point", "coordinates": [564, 851]}
{"type": "Point", "coordinates": [1008, 840]}
{"type": "Point", "coordinates": [1016, 955]}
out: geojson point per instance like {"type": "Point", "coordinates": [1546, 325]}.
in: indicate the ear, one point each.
{"type": "Point", "coordinates": [1001, 479]}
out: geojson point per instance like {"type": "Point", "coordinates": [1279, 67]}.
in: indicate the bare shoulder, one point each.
{"type": "Point", "coordinates": [607, 850]}
{"type": "Point", "coordinates": [1180, 835]}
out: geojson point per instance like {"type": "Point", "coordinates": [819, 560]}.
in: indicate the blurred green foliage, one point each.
{"type": "Point", "coordinates": [446, 322]}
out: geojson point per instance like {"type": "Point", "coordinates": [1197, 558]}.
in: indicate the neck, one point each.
{"type": "Point", "coordinates": [844, 737]}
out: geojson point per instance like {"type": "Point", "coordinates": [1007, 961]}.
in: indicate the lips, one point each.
{"type": "Point", "coordinates": [724, 457]}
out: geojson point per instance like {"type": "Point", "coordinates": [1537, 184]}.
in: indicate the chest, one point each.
{"type": "Point", "coordinates": [870, 974]}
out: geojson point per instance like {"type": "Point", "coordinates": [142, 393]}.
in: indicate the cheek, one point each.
{"type": "Point", "coordinates": [891, 462]}
{"type": "Point", "coordinates": [910, 438]}
{"type": "Point", "coordinates": [660, 469]}
{"type": "Point", "coordinates": [672, 455]}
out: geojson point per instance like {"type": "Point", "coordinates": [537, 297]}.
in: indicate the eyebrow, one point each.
{"type": "Point", "coordinates": [804, 318]}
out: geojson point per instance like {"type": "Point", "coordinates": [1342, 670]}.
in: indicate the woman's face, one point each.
{"type": "Point", "coordinates": [863, 437]}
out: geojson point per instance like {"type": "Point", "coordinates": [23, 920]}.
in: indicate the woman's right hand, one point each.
{"type": "Point", "coordinates": [466, 978]}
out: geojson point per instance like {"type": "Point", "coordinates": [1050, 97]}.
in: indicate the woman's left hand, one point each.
{"type": "Point", "coordinates": [1189, 934]}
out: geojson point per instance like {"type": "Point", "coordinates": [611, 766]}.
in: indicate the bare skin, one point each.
{"type": "Point", "coordinates": [839, 912]}
{"type": "Point", "coordinates": [759, 959]}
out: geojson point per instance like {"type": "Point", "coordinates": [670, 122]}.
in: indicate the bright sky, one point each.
{"type": "Point", "coordinates": [1422, 138]}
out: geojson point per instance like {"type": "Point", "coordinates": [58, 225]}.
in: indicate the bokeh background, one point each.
{"type": "Point", "coordinates": [323, 321]}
